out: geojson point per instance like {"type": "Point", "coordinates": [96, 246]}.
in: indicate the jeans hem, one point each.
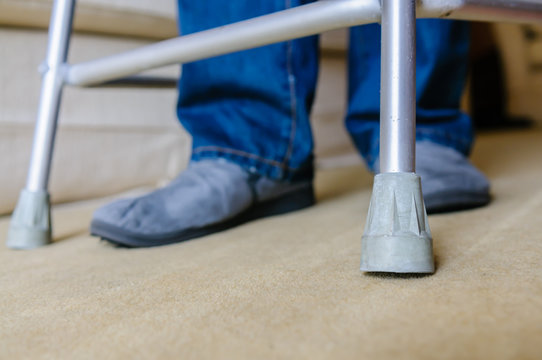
{"type": "Point", "coordinates": [255, 164]}
{"type": "Point", "coordinates": [458, 143]}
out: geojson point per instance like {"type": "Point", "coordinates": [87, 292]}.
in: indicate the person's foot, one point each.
{"type": "Point", "coordinates": [449, 181]}
{"type": "Point", "coordinates": [209, 196]}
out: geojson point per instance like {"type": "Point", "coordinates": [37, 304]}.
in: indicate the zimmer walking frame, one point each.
{"type": "Point", "coordinates": [31, 223]}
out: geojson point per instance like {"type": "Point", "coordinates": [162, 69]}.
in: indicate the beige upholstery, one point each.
{"type": "Point", "coordinates": [109, 139]}
{"type": "Point", "coordinates": [288, 287]}
{"type": "Point", "coordinates": [138, 18]}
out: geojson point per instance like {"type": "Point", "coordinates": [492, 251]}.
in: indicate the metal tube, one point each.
{"type": "Point", "coordinates": [280, 26]}
{"type": "Point", "coordinates": [285, 25]}
{"type": "Point", "coordinates": [398, 93]}
{"type": "Point", "coordinates": [51, 90]}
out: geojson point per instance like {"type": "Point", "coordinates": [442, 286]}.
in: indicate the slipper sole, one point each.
{"type": "Point", "coordinates": [286, 203]}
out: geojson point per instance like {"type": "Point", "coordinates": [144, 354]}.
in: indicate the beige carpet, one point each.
{"type": "Point", "coordinates": [289, 286]}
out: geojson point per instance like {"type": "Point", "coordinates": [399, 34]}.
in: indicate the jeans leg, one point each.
{"type": "Point", "coordinates": [251, 107]}
{"type": "Point", "coordinates": [441, 69]}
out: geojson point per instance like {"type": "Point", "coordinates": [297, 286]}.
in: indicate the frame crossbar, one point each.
{"type": "Point", "coordinates": [285, 25]}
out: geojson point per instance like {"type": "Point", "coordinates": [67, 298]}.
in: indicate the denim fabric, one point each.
{"type": "Point", "coordinates": [441, 70]}
{"type": "Point", "coordinates": [252, 107]}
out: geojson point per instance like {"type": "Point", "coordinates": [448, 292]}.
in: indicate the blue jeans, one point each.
{"type": "Point", "coordinates": [252, 107]}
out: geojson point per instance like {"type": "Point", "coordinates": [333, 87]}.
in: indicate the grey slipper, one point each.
{"type": "Point", "coordinates": [449, 181]}
{"type": "Point", "coordinates": [209, 196]}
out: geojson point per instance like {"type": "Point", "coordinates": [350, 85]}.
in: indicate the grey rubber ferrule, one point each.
{"type": "Point", "coordinates": [30, 225]}
{"type": "Point", "coordinates": [397, 238]}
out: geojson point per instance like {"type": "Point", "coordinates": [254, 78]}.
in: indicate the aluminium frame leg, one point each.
{"type": "Point", "coordinates": [397, 238]}
{"type": "Point", "coordinates": [30, 225]}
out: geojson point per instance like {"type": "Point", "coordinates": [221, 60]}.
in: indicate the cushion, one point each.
{"type": "Point", "coordinates": [139, 18]}
{"type": "Point", "coordinates": [109, 139]}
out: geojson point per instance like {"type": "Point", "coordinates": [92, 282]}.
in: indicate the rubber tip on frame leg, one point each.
{"type": "Point", "coordinates": [30, 225]}
{"type": "Point", "coordinates": [397, 238]}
